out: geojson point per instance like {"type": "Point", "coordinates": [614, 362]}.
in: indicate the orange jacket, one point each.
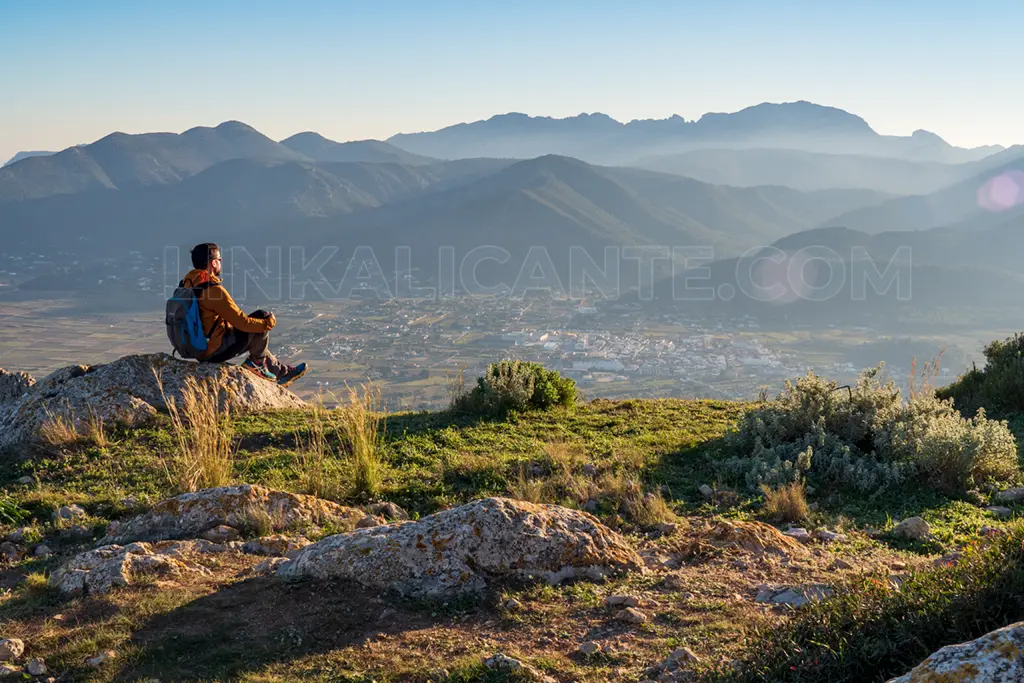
{"type": "Point", "coordinates": [219, 312]}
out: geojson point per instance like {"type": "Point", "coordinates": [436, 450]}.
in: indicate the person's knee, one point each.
{"type": "Point", "coordinates": [259, 313]}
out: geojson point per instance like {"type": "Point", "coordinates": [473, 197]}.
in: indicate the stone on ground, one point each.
{"type": "Point", "coordinates": [1010, 496]}
{"type": "Point", "coordinates": [754, 537]}
{"type": "Point", "coordinates": [113, 566]}
{"type": "Point", "coordinates": [631, 615]}
{"type": "Point", "coordinates": [796, 596]}
{"type": "Point", "coordinates": [799, 534]}
{"type": "Point", "coordinates": [504, 663]}
{"type": "Point", "coordinates": [126, 391]}
{"type": "Point", "coordinates": [11, 649]}
{"type": "Point", "coordinates": [992, 658]}
{"type": "Point", "coordinates": [912, 528]}
{"type": "Point", "coordinates": [191, 514]}
{"type": "Point", "coordinates": [387, 511]}
{"type": "Point", "coordinates": [101, 659]}
{"type": "Point", "coordinates": [455, 551]}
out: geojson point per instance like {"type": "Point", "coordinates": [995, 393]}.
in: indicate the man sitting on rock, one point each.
{"type": "Point", "coordinates": [229, 331]}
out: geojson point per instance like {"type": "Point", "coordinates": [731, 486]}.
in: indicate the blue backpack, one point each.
{"type": "Point", "coordinates": [184, 328]}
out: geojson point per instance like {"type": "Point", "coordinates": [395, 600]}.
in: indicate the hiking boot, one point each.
{"type": "Point", "coordinates": [259, 369]}
{"type": "Point", "coordinates": [291, 373]}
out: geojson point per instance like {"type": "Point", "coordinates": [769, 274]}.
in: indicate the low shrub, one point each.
{"type": "Point", "coordinates": [999, 387]}
{"type": "Point", "coordinates": [514, 385]}
{"type": "Point", "coordinates": [867, 439]}
{"type": "Point", "coordinates": [871, 630]}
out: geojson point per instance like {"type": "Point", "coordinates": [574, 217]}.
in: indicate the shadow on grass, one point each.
{"type": "Point", "coordinates": [281, 429]}
{"type": "Point", "coordinates": [256, 623]}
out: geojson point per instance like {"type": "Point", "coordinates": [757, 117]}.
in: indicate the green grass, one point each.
{"type": "Point", "coordinates": [432, 461]}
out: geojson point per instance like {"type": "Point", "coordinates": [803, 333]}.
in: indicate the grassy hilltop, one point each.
{"type": "Point", "coordinates": [667, 474]}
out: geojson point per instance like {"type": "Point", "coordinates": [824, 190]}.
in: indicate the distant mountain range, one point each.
{"type": "Point", "coordinates": [318, 148]}
{"type": "Point", "coordinates": [122, 161]}
{"type": "Point", "coordinates": [597, 138]}
{"type": "Point", "coordinates": [731, 182]}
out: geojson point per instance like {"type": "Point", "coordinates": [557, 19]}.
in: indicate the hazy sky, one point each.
{"type": "Point", "coordinates": [72, 72]}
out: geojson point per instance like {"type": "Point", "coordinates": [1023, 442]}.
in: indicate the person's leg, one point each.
{"type": "Point", "coordinates": [258, 347]}
{"type": "Point", "coordinates": [234, 344]}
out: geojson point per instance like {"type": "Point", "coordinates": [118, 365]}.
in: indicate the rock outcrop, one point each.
{"type": "Point", "coordinates": [245, 505]}
{"type": "Point", "coordinates": [13, 385]}
{"type": "Point", "coordinates": [99, 571]}
{"type": "Point", "coordinates": [455, 551]}
{"type": "Point", "coordinates": [126, 391]}
{"type": "Point", "coordinates": [993, 658]}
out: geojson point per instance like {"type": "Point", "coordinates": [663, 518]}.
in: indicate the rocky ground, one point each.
{"type": "Point", "coordinates": [500, 550]}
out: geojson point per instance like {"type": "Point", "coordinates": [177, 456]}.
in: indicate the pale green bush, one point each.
{"type": "Point", "coordinates": [866, 439]}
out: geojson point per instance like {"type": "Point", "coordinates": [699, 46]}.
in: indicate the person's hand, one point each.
{"type": "Point", "coordinates": [272, 320]}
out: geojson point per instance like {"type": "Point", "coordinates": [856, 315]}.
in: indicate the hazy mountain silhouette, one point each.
{"type": "Point", "coordinates": [849, 276]}
{"type": "Point", "coordinates": [227, 199]}
{"type": "Point", "coordinates": [804, 170]}
{"type": "Point", "coordinates": [597, 138]}
{"type": "Point", "coordinates": [319, 148]}
{"type": "Point", "coordinates": [26, 155]}
{"type": "Point", "coordinates": [561, 204]}
{"type": "Point", "coordinates": [120, 160]}
{"type": "Point", "coordinates": [986, 198]}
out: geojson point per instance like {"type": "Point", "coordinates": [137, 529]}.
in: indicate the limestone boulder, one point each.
{"type": "Point", "coordinates": [992, 658]}
{"type": "Point", "coordinates": [456, 551]}
{"type": "Point", "coordinates": [127, 391]}
{"type": "Point", "coordinates": [113, 566]}
{"type": "Point", "coordinates": [245, 505]}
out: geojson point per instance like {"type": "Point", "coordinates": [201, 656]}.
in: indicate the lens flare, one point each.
{"type": "Point", "coordinates": [1002, 192]}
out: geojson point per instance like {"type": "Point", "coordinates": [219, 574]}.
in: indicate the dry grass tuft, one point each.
{"type": "Point", "coordinates": [924, 385]}
{"type": "Point", "coordinates": [58, 429]}
{"type": "Point", "coordinates": [646, 509]}
{"type": "Point", "coordinates": [360, 421]}
{"type": "Point", "coordinates": [96, 432]}
{"type": "Point", "coordinates": [455, 385]}
{"type": "Point", "coordinates": [526, 487]}
{"type": "Point", "coordinates": [204, 453]}
{"type": "Point", "coordinates": [317, 461]}
{"type": "Point", "coordinates": [787, 503]}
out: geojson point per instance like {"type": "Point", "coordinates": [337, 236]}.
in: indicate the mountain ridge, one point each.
{"type": "Point", "coordinates": [598, 138]}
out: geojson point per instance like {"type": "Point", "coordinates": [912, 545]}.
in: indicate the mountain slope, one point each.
{"type": "Point", "coordinates": [804, 170]}
{"type": "Point", "coordinates": [564, 205]}
{"type": "Point", "coordinates": [317, 147]}
{"type": "Point", "coordinates": [227, 199]}
{"type": "Point", "coordinates": [120, 160]}
{"type": "Point", "coordinates": [838, 275]}
{"type": "Point", "coordinates": [982, 199]}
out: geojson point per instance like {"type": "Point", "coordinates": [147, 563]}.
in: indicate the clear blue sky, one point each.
{"type": "Point", "coordinates": [72, 72]}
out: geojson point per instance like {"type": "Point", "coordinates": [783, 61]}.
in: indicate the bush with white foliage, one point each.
{"type": "Point", "coordinates": [867, 439]}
